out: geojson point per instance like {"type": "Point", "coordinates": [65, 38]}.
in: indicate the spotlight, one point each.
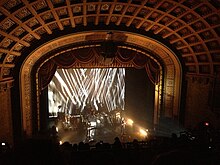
{"type": "Point", "coordinates": [206, 123]}
{"type": "Point", "coordinates": [118, 115]}
{"type": "Point", "coordinates": [130, 122]}
{"type": "Point", "coordinates": [142, 132]}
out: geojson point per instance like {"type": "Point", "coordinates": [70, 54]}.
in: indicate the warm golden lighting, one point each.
{"type": "Point", "coordinates": [118, 115]}
{"type": "Point", "coordinates": [143, 132]}
{"type": "Point", "coordinates": [130, 122]}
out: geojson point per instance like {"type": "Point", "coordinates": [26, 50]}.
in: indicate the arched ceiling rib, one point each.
{"type": "Point", "coordinates": [191, 26]}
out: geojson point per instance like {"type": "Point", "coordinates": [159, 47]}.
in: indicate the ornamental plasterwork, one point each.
{"type": "Point", "coordinates": [6, 85]}
{"type": "Point", "coordinates": [41, 31]}
{"type": "Point", "coordinates": [18, 47]}
{"type": "Point", "coordinates": [10, 58]}
{"type": "Point", "coordinates": [53, 26]}
{"type": "Point", "coordinates": [62, 12]}
{"type": "Point", "coordinates": [78, 20]}
{"type": "Point", "coordinates": [66, 22]}
{"type": "Point", "coordinates": [105, 7]}
{"type": "Point", "coordinates": [174, 72]}
{"type": "Point", "coordinates": [173, 21]}
{"type": "Point", "coordinates": [29, 38]}
{"type": "Point", "coordinates": [18, 32]}
{"type": "Point", "coordinates": [77, 9]}
{"type": "Point", "coordinates": [32, 23]}
{"type": "Point", "coordinates": [7, 24]}
{"type": "Point", "coordinates": [57, 1]}
{"type": "Point", "coordinates": [47, 16]}
{"type": "Point", "coordinates": [23, 13]}
{"type": "Point", "coordinates": [118, 7]}
{"type": "Point", "coordinates": [6, 71]}
{"type": "Point", "coordinates": [114, 19]}
{"type": "Point", "coordinates": [40, 5]}
{"type": "Point", "coordinates": [91, 7]}
{"type": "Point", "coordinates": [6, 43]}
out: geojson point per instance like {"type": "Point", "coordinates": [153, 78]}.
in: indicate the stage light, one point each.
{"type": "Point", "coordinates": [118, 115]}
{"type": "Point", "coordinates": [130, 122]}
{"type": "Point", "coordinates": [143, 132]}
{"type": "Point", "coordinates": [60, 142]}
{"type": "Point", "coordinates": [206, 124]}
{"type": "Point", "coordinates": [92, 124]}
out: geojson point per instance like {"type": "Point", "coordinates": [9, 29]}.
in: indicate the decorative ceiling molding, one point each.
{"type": "Point", "coordinates": [191, 27]}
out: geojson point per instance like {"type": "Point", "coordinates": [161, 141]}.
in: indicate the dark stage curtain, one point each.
{"type": "Point", "coordinates": [66, 60]}
{"type": "Point", "coordinates": [46, 73]}
{"type": "Point", "coordinates": [86, 58]}
{"type": "Point", "coordinates": [153, 72]}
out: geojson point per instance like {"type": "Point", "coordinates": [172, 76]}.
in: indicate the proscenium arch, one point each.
{"type": "Point", "coordinates": [172, 74]}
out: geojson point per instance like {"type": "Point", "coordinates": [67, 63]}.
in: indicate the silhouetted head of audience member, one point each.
{"type": "Point", "coordinates": [81, 146]}
{"type": "Point", "coordinates": [117, 143]}
{"type": "Point", "coordinates": [135, 144]}
{"type": "Point", "coordinates": [75, 147]}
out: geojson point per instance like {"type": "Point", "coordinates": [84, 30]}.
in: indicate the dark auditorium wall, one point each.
{"type": "Point", "coordinates": [200, 104]}
{"type": "Point", "coordinates": [6, 134]}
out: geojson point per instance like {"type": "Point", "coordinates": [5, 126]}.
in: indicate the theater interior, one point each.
{"type": "Point", "coordinates": [101, 71]}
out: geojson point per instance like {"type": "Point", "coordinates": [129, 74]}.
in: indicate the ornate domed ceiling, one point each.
{"type": "Point", "coordinates": [192, 27]}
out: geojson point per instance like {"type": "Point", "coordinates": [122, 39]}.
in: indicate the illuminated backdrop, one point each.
{"type": "Point", "coordinates": [71, 90]}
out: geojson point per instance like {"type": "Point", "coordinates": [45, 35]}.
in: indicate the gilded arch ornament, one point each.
{"type": "Point", "coordinates": [171, 78]}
